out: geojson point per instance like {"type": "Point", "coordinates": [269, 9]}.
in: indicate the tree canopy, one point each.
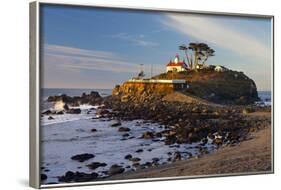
{"type": "Point", "coordinates": [196, 53]}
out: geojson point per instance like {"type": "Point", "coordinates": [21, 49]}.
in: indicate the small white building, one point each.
{"type": "Point", "coordinates": [176, 65]}
{"type": "Point", "coordinates": [219, 68]}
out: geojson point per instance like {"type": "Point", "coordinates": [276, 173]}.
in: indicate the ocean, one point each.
{"type": "Point", "coordinates": [46, 92]}
{"type": "Point", "coordinates": [67, 135]}
{"type": "Point", "coordinates": [265, 97]}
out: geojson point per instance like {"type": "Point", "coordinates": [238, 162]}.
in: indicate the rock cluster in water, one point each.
{"type": "Point", "coordinates": [93, 98]}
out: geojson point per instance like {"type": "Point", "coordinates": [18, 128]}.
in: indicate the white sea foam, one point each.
{"type": "Point", "coordinates": [59, 105]}
{"type": "Point", "coordinates": [87, 112]}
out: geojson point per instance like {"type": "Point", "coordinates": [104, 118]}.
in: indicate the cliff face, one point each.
{"type": "Point", "coordinates": [228, 87]}
{"type": "Point", "coordinates": [137, 90]}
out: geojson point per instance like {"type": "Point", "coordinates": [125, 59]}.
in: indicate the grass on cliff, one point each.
{"type": "Point", "coordinates": [216, 86]}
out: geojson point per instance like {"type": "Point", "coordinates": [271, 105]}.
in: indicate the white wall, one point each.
{"type": "Point", "coordinates": [14, 94]}
{"type": "Point", "coordinates": [171, 68]}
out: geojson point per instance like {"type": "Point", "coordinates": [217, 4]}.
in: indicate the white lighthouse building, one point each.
{"type": "Point", "coordinates": [176, 65]}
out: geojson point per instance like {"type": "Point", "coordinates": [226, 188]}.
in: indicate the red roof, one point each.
{"type": "Point", "coordinates": [180, 63]}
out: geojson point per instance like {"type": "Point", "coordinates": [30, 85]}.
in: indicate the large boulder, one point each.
{"type": "Point", "coordinates": [115, 169]}
{"type": "Point", "coordinates": [82, 157]}
{"type": "Point", "coordinates": [95, 165]}
{"type": "Point", "coordinates": [74, 111]}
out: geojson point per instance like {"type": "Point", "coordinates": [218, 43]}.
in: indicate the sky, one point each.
{"type": "Point", "coordinates": [97, 48]}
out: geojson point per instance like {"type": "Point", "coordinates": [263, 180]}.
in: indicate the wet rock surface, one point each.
{"type": "Point", "coordinates": [95, 165]}
{"type": "Point", "coordinates": [82, 157]}
{"type": "Point", "coordinates": [77, 177]}
{"type": "Point", "coordinates": [115, 169]}
{"type": "Point", "coordinates": [43, 177]}
{"type": "Point", "coordinates": [188, 123]}
{"type": "Point", "coordinates": [93, 99]}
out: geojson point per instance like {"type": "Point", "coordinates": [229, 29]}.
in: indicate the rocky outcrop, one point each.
{"type": "Point", "coordinates": [142, 91]}
{"type": "Point", "coordinates": [228, 87]}
{"type": "Point", "coordinates": [93, 99]}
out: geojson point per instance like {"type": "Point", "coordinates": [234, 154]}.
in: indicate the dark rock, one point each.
{"type": "Point", "coordinates": [124, 129]}
{"type": "Point", "coordinates": [43, 177]}
{"type": "Point", "coordinates": [47, 112]}
{"type": "Point", "coordinates": [118, 123]}
{"type": "Point", "coordinates": [115, 169]}
{"type": "Point", "coordinates": [177, 156]}
{"type": "Point", "coordinates": [65, 107]}
{"type": "Point", "coordinates": [93, 99]}
{"type": "Point", "coordinates": [125, 135]}
{"type": "Point", "coordinates": [218, 141]}
{"type": "Point", "coordinates": [211, 136]}
{"type": "Point", "coordinates": [135, 159]}
{"type": "Point", "coordinates": [135, 164]}
{"type": "Point", "coordinates": [148, 135]}
{"type": "Point", "coordinates": [170, 141]}
{"type": "Point", "coordinates": [159, 134]}
{"type": "Point", "coordinates": [102, 112]}
{"type": "Point", "coordinates": [148, 164]}
{"type": "Point", "coordinates": [95, 165]}
{"type": "Point", "coordinates": [139, 150]}
{"type": "Point", "coordinates": [82, 157]}
{"type": "Point", "coordinates": [128, 156]}
{"type": "Point", "coordinates": [74, 111]}
{"type": "Point", "coordinates": [193, 137]}
{"type": "Point", "coordinates": [93, 130]}
{"type": "Point", "coordinates": [204, 141]}
{"type": "Point", "coordinates": [59, 112]}
{"type": "Point", "coordinates": [50, 118]}
{"type": "Point", "coordinates": [77, 177]}
{"type": "Point", "coordinates": [155, 159]}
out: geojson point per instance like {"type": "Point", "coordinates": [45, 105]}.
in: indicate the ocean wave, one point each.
{"type": "Point", "coordinates": [87, 112]}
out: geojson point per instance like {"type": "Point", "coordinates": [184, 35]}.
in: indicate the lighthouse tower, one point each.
{"type": "Point", "coordinates": [177, 59]}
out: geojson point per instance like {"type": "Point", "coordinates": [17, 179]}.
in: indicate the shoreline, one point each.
{"type": "Point", "coordinates": [185, 120]}
{"type": "Point", "coordinates": [250, 156]}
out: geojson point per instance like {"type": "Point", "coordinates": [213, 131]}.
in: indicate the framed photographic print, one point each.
{"type": "Point", "coordinates": [132, 94]}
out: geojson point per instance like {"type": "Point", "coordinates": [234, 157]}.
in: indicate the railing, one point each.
{"type": "Point", "coordinates": [157, 81]}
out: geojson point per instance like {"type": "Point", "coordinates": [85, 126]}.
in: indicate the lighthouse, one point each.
{"type": "Point", "coordinates": [177, 59]}
{"type": "Point", "coordinates": [176, 65]}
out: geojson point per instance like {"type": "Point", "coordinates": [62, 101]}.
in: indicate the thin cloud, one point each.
{"type": "Point", "coordinates": [71, 67]}
{"type": "Point", "coordinates": [214, 32]}
{"type": "Point", "coordinates": [82, 59]}
{"type": "Point", "coordinates": [138, 40]}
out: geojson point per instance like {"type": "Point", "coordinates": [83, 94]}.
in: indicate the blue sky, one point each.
{"type": "Point", "coordinates": [99, 48]}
